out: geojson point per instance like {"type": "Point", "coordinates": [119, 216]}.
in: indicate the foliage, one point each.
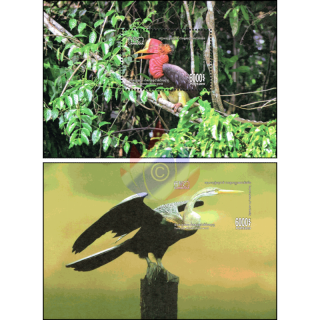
{"type": "Point", "coordinates": [86, 109]}
{"type": "Point", "coordinates": [215, 136]}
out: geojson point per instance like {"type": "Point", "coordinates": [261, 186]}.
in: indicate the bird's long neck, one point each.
{"type": "Point", "coordinates": [155, 65]}
{"type": "Point", "coordinates": [191, 217]}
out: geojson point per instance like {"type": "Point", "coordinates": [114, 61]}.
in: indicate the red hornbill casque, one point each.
{"type": "Point", "coordinates": [172, 75]}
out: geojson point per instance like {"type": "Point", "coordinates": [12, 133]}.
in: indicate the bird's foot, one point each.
{"type": "Point", "coordinates": [159, 264]}
{"type": "Point", "coordinates": [149, 262]}
{"type": "Point", "coordinates": [159, 96]}
{"type": "Point", "coordinates": [176, 106]}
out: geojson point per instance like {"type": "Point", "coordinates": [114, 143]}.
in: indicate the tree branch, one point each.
{"type": "Point", "coordinates": [215, 91]}
{"type": "Point", "coordinates": [185, 3]}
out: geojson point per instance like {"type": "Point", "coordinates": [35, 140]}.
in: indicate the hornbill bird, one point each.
{"type": "Point", "coordinates": [170, 74]}
{"type": "Point", "coordinates": [159, 228]}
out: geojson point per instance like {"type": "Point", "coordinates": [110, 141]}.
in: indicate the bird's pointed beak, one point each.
{"type": "Point", "coordinates": [144, 50]}
{"type": "Point", "coordinates": [229, 191]}
{"type": "Point", "coordinates": [145, 57]}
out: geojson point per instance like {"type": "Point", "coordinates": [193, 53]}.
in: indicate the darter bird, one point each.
{"type": "Point", "coordinates": [159, 228]}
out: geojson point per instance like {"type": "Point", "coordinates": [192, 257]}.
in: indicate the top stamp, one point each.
{"type": "Point", "coordinates": [178, 76]}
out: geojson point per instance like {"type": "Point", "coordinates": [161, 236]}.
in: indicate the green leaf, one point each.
{"type": "Point", "coordinates": [114, 20]}
{"type": "Point", "coordinates": [150, 85]}
{"type": "Point", "coordinates": [227, 13]}
{"type": "Point", "coordinates": [141, 74]}
{"type": "Point", "coordinates": [55, 114]}
{"type": "Point", "coordinates": [155, 95]}
{"type": "Point", "coordinates": [234, 21]}
{"type": "Point", "coordinates": [60, 104]}
{"type": "Point", "coordinates": [116, 50]}
{"type": "Point", "coordinates": [114, 141]}
{"type": "Point", "coordinates": [126, 4]}
{"type": "Point", "coordinates": [87, 111]}
{"type": "Point", "coordinates": [244, 12]}
{"type": "Point", "coordinates": [75, 98]}
{"type": "Point", "coordinates": [214, 121]}
{"type": "Point", "coordinates": [69, 101]}
{"type": "Point", "coordinates": [102, 123]}
{"type": "Point", "coordinates": [146, 20]}
{"type": "Point", "coordinates": [81, 27]}
{"type": "Point", "coordinates": [109, 12]}
{"type": "Point", "coordinates": [85, 131]}
{"type": "Point", "coordinates": [82, 12]}
{"type": "Point", "coordinates": [242, 69]}
{"type": "Point", "coordinates": [98, 23]}
{"type": "Point", "coordinates": [106, 143]}
{"type": "Point", "coordinates": [105, 47]}
{"type": "Point", "coordinates": [108, 95]}
{"type": "Point", "coordinates": [89, 94]}
{"type": "Point", "coordinates": [61, 122]}
{"type": "Point", "coordinates": [71, 127]}
{"type": "Point", "coordinates": [47, 114]}
{"type": "Point", "coordinates": [143, 96]}
{"type": "Point", "coordinates": [72, 23]}
{"type": "Point", "coordinates": [96, 134]}
{"type": "Point", "coordinates": [74, 135]}
{"type": "Point", "coordinates": [126, 147]}
{"type": "Point", "coordinates": [92, 37]}
{"type": "Point", "coordinates": [108, 31]}
{"type": "Point", "coordinates": [87, 126]}
{"type": "Point", "coordinates": [132, 96]}
{"type": "Point", "coordinates": [117, 60]}
{"type": "Point", "coordinates": [84, 139]}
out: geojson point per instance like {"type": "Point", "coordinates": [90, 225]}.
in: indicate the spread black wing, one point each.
{"type": "Point", "coordinates": [179, 79]}
{"type": "Point", "coordinates": [125, 217]}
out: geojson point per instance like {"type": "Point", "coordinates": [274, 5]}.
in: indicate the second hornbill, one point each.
{"type": "Point", "coordinates": [172, 75]}
{"type": "Point", "coordinates": [159, 228]}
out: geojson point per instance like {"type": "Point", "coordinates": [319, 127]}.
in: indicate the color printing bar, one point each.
{"type": "Point", "coordinates": [159, 160]}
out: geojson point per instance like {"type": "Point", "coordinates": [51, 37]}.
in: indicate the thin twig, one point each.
{"type": "Point", "coordinates": [268, 101]}
{"type": "Point", "coordinates": [215, 91]}
{"type": "Point", "coordinates": [156, 111]}
{"type": "Point", "coordinates": [104, 22]}
{"type": "Point", "coordinates": [126, 15]}
{"type": "Point", "coordinates": [237, 94]}
{"type": "Point", "coordinates": [74, 72]}
{"type": "Point", "coordinates": [135, 129]}
{"type": "Point", "coordinates": [185, 3]}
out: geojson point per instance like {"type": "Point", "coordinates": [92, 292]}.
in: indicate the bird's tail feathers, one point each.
{"type": "Point", "coordinates": [99, 259]}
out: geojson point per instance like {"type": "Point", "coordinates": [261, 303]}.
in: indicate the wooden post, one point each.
{"type": "Point", "coordinates": [159, 294]}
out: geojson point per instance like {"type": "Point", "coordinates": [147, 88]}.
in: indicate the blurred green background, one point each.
{"type": "Point", "coordinates": [224, 272]}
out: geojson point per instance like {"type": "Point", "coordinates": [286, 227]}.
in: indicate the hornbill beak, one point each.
{"type": "Point", "coordinates": [229, 191]}
{"type": "Point", "coordinates": [145, 50]}
{"type": "Point", "coordinates": [144, 57]}
{"type": "Point", "coordinates": [156, 47]}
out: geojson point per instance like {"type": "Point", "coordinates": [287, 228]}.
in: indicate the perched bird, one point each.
{"type": "Point", "coordinates": [159, 228]}
{"type": "Point", "coordinates": [170, 74]}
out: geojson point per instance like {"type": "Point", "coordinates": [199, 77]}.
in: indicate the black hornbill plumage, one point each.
{"type": "Point", "coordinates": [170, 75]}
